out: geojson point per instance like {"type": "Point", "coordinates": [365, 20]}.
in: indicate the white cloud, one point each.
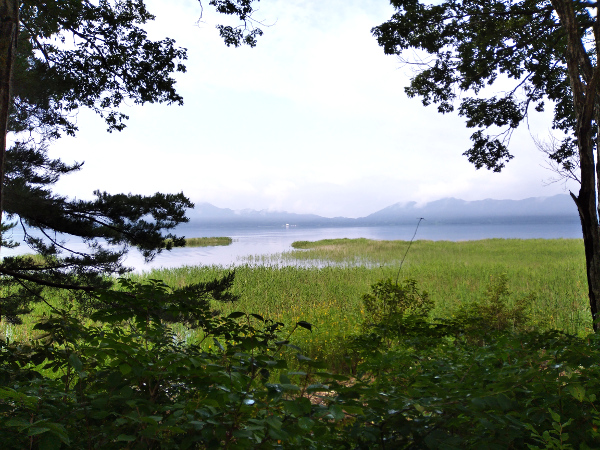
{"type": "Point", "coordinates": [313, 120]}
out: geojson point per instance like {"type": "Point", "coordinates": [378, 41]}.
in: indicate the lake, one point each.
{"type": "Point", "coordinates": [249, 243]}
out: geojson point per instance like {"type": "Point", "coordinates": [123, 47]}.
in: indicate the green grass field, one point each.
{"type": "Point", "coordinates": [329, 294]}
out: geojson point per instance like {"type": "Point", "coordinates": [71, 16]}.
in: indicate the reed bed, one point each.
{"type": "Point", "coordinates": [328, 295]}
{"type": "Point", "coordinates": [323, 283]}
{"type": "Point", "coordinates": [208, 241]}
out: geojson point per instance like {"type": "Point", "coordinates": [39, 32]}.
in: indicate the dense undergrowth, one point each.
{"type": "Point", "coordinates": [168, 365]}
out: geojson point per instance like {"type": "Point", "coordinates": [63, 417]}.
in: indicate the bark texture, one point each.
{"type": "Point", "coordinates": [584, 78]}
{"type": "Point", "coordinates": [9, 28]}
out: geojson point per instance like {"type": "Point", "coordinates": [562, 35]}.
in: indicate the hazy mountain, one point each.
{"type": "Point", "coordinates": [452, 210]}
{"type": "Point", "coordinates": [212, 215]}
{"type": "Point", "coordinates": [448, 210]}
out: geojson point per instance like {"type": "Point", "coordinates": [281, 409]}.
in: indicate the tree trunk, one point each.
{"type": "Point", "coordinates": [587, 202]}
{"type": "Point", "coordinates": [586, 205]}
{"type": "Point", "coordinates": [9, 28]}
{"type": "Point", "coordinates": [584, 77]}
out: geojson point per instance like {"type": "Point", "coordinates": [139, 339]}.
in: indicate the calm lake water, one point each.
{"type": "Point", "coordinates": [250, 243]}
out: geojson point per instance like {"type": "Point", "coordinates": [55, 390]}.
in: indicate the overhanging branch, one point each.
{"type": "Point", "coordinates": [47, 283]}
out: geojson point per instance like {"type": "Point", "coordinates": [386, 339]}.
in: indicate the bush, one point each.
{"type": "Point", "coordinates": [389, 301]}
{"type": "Point", "coordinates": [129, 380]}
{"type": "Point", "coordinates": [496, 312]}
{"type": "Point", "coordinates": [517, 391]}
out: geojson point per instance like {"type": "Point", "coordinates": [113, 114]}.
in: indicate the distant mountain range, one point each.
{"type": "Point", "coordinates": [558, 208]}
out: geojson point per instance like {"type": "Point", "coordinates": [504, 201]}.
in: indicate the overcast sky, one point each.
{"type": "Point", "coordinates": [312, 120]}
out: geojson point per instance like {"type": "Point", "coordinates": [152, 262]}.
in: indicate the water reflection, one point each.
{"type": "Point", "coordinates": [253, 245]}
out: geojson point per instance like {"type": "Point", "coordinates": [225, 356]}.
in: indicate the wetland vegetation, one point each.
{"type": "Point", "coordinates": [207, 241]}
{"type": "Point", "coordinates": [473, 343]}
{"type": "Point", "coordinates": [329, 294]}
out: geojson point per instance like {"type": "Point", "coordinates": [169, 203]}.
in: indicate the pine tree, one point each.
{"type": "Point", "coordinates": [55, 58]}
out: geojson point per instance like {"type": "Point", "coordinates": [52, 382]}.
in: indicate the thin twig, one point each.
{"type": "Point", "coordinates": [406, 253]}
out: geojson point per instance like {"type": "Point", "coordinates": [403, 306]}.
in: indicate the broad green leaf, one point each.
{"type": "Point", "coordinates": [504, 402]}
{"type": "Point", "coordinates": [297, 407]}
{"type": "Point", "coordinates": [218, 344]}
{"type": "Point", "coordinates": [317, 364]}
{"type": "Point", "coordinates": [336, 412]}
{"type": "Point", "coordinates": [295, 347]}
{"type": "Point", "coordinates": [8, 393]}
{"type": "Point", "coordinates": [349, 409]}
{"type": "Point", "coordinates": [242, 434]}
{"type": "Point", "coordinates": [305, 423]}
{"type": "Point", "coordinates": [17, 423]}
{"type": "Point", "coordinates": [76, 362]}
{"type": "Point", "coordinates": [33, 431]}
{"type": "Point", "coordinates": [554, 415]}
{"type": "Point", "coordinates": [577, 391]}
{"type": "Point", "coordinates": [195, 362]}
{"type": "Point", "coordinates": [283, 378]}
{"type": "Point", "coordinates": [125, 438]}
{"type": "Point", "coordinates": [274, 422]}
{"type": "Point", "coordinates": [278, 434]}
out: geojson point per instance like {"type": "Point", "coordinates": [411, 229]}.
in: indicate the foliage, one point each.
{"type": "Point", "coordinates": [485, 378]}
{"type": "Point", "coordinates": [471, 45]}
{"type": "Point", "coordinates": [71, 55]}
{"type": "Point", "coordinates": [207, 241]}
{"type": "Point", "coordinates": [129, 379]}
{"type": "Point", "coordinates": [133, 379]}
{"type": "Point", "coordinates": [389, 300]}
{"type": "Point", "coordinates": [494, 312]}
{"type": "Point", "coordinates": [96, 55]}
{"type": "Point", "coordinates": [500, 395]}
{"type": "Point", "coordinates": [539, 52]}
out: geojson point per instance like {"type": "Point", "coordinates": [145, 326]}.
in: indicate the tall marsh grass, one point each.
{"type": "Point", "coordinates": [207, 241]}
{"type": "Point", "coordinates": [329, 296]}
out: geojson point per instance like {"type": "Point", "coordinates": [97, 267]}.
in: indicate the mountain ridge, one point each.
{"type": "Point", "coordinates": [447, 210]}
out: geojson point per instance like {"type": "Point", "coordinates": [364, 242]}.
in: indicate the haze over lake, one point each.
{"type": "Point", "coordinates": [256, 234]}
{"type": "Point", "coordinates": [251, 242]}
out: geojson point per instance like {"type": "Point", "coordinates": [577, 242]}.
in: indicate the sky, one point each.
{"type": "Point", "coordinates": [312, 120]}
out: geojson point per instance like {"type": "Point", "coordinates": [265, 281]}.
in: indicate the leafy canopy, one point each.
{"type": "Point", "coordinates": [77, 54]}
{"type": "Point", "coordinates": [462, 47]}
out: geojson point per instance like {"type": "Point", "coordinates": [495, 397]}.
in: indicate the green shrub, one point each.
{"type": "Point", "coordinates": [517, 391]}
{"type": "Point", "coordinates": [496, 311]}
{"type": "Point", "coordinates": [131, 379]}
{"type": "Point", "coordinates": [388, 301]}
